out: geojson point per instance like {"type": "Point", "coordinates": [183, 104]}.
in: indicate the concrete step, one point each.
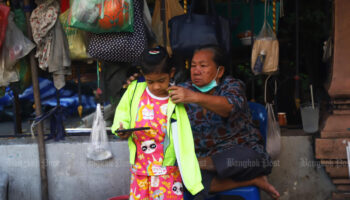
{"type": "Point", "coordinates": [4, 182]}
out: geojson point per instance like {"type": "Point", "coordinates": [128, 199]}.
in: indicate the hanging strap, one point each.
{"type": "Point", "coordinates": [265, 14]}
{"type": "Point", "coordinates": [281, 9]}
{"type": "Point", "coordinates": [265, 91]}
{"type": "Point", "coordinates": [274, 15]}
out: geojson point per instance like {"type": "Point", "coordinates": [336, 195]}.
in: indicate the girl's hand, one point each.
{"type": "Point", "coordinates": [123, 135]}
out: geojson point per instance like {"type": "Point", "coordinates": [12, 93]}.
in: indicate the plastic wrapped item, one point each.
{"type": "Point", "coordinates": [265, 46]}
{"type": "Point", "coordinates": [101, 16]}
{"type": "Point", "coordinates": [4, 13]}
{"type": "Point", "coordinates": [273, 143]}
{"type": "Point", "coordinates": [16, 46]}
{"type": "Point", "coordinates": [76, 38]}
{"type": "Point", "coordinates": [99, 148]}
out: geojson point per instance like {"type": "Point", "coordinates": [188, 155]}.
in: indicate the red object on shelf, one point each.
{"type": "Point", "coordinates": [114, 14]}
{"type": "Point", "coordinates": [64, 5]}
{"type": "Point", "coordinates": [125, 197]}
{"type": "Point", "coordinates": [4, 13]}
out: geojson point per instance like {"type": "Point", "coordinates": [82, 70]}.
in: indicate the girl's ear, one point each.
{"type": "Point", "coordinates": [172, 72]}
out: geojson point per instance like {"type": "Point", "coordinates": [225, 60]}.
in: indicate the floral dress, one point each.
{"type": "Point", "coordinates": [149, 179]}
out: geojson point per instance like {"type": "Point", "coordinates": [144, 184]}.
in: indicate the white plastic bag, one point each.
{"type": "Point", "coordinates": [15, 47]}
{"type": "Point", "coordinates": [99, 148]}
{"type": "Point", "coordinates": [273, 143]}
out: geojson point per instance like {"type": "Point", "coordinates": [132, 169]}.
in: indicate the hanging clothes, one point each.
{"type": "Point", "coordinates": [172, 9]}
{"type": "Point", "coordinates": [53, 49]}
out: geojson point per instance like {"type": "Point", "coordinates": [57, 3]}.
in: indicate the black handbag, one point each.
{"type": "Point", "coordinates": [121, 46]}
{"type": "Point", "coordinates": [190, 31]}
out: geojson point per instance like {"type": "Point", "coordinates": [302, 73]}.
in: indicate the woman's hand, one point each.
{"type": "Point", "coordinates": [123, 135]}
{"type": "Point", "coordinates": [182, 95]}
{"type": "Point", "coordinates": [130, 79]}
{"type": "Point", "coordinates": [216, 104]}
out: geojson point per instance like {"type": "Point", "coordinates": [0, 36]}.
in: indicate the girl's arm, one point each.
{"type": "Point", "coordinates": [122, 116]}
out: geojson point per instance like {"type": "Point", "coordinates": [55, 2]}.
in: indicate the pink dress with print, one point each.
{"type": "Point", "coordinates": [149, 179]}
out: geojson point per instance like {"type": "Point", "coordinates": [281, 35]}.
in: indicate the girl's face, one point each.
{"type": "Point", "coordinates": [158, 83]}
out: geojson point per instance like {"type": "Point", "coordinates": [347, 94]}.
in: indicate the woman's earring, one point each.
{"type": "Point", "coordinates": [172, 82]}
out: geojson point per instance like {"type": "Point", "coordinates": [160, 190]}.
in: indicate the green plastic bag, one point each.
{"type": "Point", "coordinates": [20, 20]}
{"type": "Point", "coordinates": [76, 38]}
{"type": "Point", "coordinates": [102, 16]}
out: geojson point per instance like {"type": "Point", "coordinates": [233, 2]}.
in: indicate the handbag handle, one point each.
{"type": "Point", "coordinates": [211, 8]}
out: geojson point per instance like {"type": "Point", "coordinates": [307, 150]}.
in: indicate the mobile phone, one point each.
{"type": "Point", "coordinates": [132, 129]}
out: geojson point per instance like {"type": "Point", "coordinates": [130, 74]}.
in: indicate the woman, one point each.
{"type": "Point", "coordinates": [229, 149]}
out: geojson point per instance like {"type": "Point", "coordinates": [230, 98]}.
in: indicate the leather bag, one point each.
{"type": "Point", "coordinates": [192, 30]}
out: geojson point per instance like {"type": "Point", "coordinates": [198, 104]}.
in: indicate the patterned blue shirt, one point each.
{"type": "Point", "coordinates": [213, 133]}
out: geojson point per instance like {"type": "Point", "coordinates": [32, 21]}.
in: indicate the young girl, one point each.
{"type": "Point", "coordinates": [162, 157]}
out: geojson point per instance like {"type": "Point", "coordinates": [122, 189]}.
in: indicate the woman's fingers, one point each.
{"type": "Point", "coordinates": [130, 79]}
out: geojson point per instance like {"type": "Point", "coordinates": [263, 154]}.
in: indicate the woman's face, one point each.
{"type": "Point", "coordinates": [204, 69]}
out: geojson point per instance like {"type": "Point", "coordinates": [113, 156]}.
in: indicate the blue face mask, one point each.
{"type": "Point", "coordinates": [209, 86]}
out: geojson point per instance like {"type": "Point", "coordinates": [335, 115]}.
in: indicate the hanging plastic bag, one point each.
{"type": "Point", "coordinates": [265, 51]}
{"type": "Point", "coordinates": [101, 16]}
{"type": "Point", "coordinates": [172, 9]}
{"type": "Point", "coordinates": [20, 20]}
{"type": "Point", "coordinates": [99, 148]}
{"type": "Point", "coordinates": [4, 13]}
{"type": "Point", "coordinates": [76, 38]}
{"type": "Point", "coordinates": [273, 143]}
{"type": "Point", "coordinates": [16, 46]}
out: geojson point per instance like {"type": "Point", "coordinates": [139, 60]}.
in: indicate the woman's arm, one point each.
{"type": "Point", "coordinates": [216, 104]}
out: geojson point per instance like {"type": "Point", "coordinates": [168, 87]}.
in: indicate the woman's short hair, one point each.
{"type": "Point", "coordinates": [155, 60]}
{"type": "Point", "coordinates": [219, 55]}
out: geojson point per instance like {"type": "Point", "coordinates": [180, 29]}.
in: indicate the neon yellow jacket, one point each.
{"type": "Point", "coordinates": [178, 143]}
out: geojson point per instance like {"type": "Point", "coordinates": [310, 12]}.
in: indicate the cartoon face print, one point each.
{"type": "Point", "coordinates": [158, 195]}
{"type": "Point", "coordinates": [148, 146]}
{"type": "Point", "coordinates": [142, 183]}
{"type": "Point", "coordinates": [145, 112]}
{"type": "Point", "coordinates": [148, 113]}
{"type": "Point", "coordinates": [177, 188]}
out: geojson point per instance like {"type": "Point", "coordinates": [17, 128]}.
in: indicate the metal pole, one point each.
{"type": "Point", "coordinates": [297, 92]}
{"type": "Point", "coordinates": [17, 112]}
{"type": "Point", "coordinates": [40, 128]}
{"type": "Point", "coordinates": [252, 42]}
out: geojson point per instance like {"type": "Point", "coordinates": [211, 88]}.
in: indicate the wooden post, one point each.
{"type": "Point", "coordinates": [17, 113]}
{"type": "Point", "coordinates": [165, 22]}
{"type": "Point", "coordinates": [40, 128]}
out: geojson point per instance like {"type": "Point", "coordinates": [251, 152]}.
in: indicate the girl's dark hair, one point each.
{"type": "Point", "coordinates": [155, 60]}
{"type": "Point", "coordinates": [219, 55]}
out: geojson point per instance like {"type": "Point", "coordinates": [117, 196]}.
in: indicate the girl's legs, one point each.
{"type": "Point", "coordinates": [139, 187]}
{"type": "Point", "coordinates": [168, 186]}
